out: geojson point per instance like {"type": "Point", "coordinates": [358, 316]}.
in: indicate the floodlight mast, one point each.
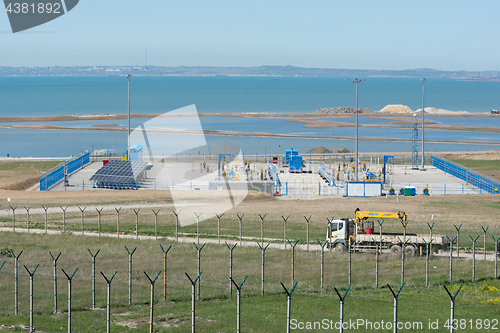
{"type": "Point", "coordinates": [128, 145]}
{"type": "Point", "coordinates": [423, 113]}
{"type": "Point", "coordinates": [357, 81]}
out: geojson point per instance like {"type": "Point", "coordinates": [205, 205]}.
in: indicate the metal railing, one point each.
{"type": "Point", "coordinates": [475, 178]}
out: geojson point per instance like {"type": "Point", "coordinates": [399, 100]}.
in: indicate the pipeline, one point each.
{"type": "Point", "coordinates": [325, 175]}
{"type": "Point", "coordinates": [271, 168]}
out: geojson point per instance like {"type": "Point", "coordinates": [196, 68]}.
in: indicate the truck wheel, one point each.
{"type": "Point", "coordinates": [395, 250]}
{"type": "Point", "coordinates": [339, 248]}
{"type": "Point", "coordinates": [410, 251]}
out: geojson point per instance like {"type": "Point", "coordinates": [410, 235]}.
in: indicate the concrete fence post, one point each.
{"type": "Point", "coordinates": [165, 252]}
{"type": "Point", "coordinates": [31, 274]}
{"type": "Point", "coordinates": [93, 275]}
{"type": "Point", "coordinates": [16, 280]}
{"type": "Point", "coordinates": [130, 254]}
{"type": "Point", "coordinates": [70, 278]}
{"type": "Point", "coordinates": [54, 261]}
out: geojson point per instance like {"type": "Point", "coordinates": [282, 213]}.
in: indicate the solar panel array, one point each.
{"type": "Point", "coordinates": [118, 174]}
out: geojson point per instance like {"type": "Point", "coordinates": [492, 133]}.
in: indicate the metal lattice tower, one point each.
{"type": "Point", "coordinates": [414, 154]}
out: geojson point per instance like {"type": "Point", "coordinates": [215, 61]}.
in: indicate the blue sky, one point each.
{"type": "Point", "coordinates": [447, 35]}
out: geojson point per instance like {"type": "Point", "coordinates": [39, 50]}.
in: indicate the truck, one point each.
{"type": "Point", "coordinates": [360, 234]}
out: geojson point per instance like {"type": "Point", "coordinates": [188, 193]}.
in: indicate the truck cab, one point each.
{"type": "Point", "coordinates": [338, 233]}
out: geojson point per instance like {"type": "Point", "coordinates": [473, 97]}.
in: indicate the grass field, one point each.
{"type": "Point", "coordinates": [216, 311]}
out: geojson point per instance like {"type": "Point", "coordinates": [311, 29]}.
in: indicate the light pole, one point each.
{"type": "Point", "coordinates": [128, 146]}
{"type": "Point", "coordinates": [423, 113]}
{"type": "Point", "coordinates": [356, 135]}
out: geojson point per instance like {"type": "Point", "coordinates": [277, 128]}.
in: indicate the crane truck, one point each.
{"type": "Point", "coordinates": [360, 234]}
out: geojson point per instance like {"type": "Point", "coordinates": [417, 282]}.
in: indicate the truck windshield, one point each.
{"type": "Point", "coordinates": [334, 227]}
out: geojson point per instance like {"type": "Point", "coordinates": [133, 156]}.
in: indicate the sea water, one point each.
{"type": "Point", "coordinates": [48, 96]}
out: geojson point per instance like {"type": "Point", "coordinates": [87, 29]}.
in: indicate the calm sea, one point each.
{"type": "Point", "coordinates": [45, 96]}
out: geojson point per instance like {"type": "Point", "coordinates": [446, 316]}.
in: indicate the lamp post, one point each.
{"type": "Point", "coordinates": [423, 116]}
{"type": "Point", "coordinates": [357, 81]}
{"type": "Point", "coordinates": [128, 146]}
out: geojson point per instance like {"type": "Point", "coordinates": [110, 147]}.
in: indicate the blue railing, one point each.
{"type": "Point", "coordinates": [56, 174]}
{"type": "Point", "coordinates": [475, 178]}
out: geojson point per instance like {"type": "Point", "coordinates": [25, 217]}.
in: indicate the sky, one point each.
{"type": "Point", "coordinates": [444, 35]}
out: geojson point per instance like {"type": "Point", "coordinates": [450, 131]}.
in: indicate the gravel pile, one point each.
{"type": "Point", "coordinates": [396, 108]}
{"type": "Point", "coordinates": [341, 109]}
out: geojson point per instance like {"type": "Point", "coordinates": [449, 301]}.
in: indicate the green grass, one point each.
{"type": "Point", "coordinates": [216, 312]}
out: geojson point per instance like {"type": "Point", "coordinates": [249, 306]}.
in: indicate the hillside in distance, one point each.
{"type": "Point", "coordinates": [239, 71]}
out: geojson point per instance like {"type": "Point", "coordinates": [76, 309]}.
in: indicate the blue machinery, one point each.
{"type": "Point", "coordinates": [386, 158]}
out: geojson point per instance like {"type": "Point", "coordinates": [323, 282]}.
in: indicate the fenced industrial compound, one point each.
{"type": "Point", "coordinates": [440, 178]}
{"type": "Point", "coordinates": [225, 254]}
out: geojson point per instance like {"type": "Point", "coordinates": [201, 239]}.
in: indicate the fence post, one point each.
{"type": "Point", "coordinates": [165, 252]}
{"type": "Point", "coordinates": [473, 257]}
{"type": "Point", "coordinates": [64, 218]}
{"type": "Point", "coordinates": [238, 303]}
{"type": "Point", "coordinates": [322, 262]}
{"type": "Point", "coordinates": [289, 304]}
{"type": "Point", "coordinates": [376, 261]}
{"type": "Point", "coordinates": [136, 222]}
{"type": "Point", "coordinates": [458, 239]}
{"type": "Point", "coordinates": [45, 208]}
{"type": "Point", "coordinates": [176, 225]}
{"type": "Point", "coordinates": [284, 229]}
{"type": "Point", "coordinates": [130, 254]}
{"type": "Point", "coordinates": [307, 233]}
{"type": "Point", "coordinates": [452, 307]}
{"type": "Point", "coordinates": [403, 244]}
{"type": "Point", "coordinates": [218, 226]}
{"type": "Point", "coordinates": [108, 301]}
{"type": "Point", "coordinates": [99, 220]}
{"type": "Point", "coordinates": [70, 278]}
{"type": "Point", "coordinates": [93, 275]}
{"type": "Point", "coordinates": [16, 279]}
{"type": "Point", "coordinates": [396, 296]}
{"type": "Point", "coordinates": [342, 299]}
{"type": "Point", "coordinates": [118, 222]}
{"type": "Point", "coordinates": [451, 256]}
{"type": "Point", "coordinates": [198, 227]}
{"type": "Point", "coordinates": [262, 227]}
{"type": "Point", "coordinates": [193, 300]}
{"type": "Point", "coordinates": [231, 268]}
{"type": "Point", "coordinates": [54, 260]}
{"type": "Point", "coordinates": [199, 267]}
{"type": "Point", "coordinates": [293, 259]}
{"type": "Point", "coordinates": [28, 217]}
{"type": "Point", "coordinates": [485, 231]}
{"type": "Point", "coordinates": [427, 246]}
{"type": "Point", "coordinates": [350, 261]}
{"type": "Point", "coordinates": [156, 222]}
{"type": "Point", "coordinates": [13, 218]}
{"type": "Point", "coordinates": [152, 302]}
{"type": "Point", "coordinates": [241, 227]}
{"type": "Point", "coordinates": [82, 210]}
{"type": "Point", "coordinates": [31, 296]}
{"type": "Point", "coordinates": [263, 249]}
{"type": "Point", "coordinates": [431, 226]}
{"type": "Point", "coordinates": [496, 256]}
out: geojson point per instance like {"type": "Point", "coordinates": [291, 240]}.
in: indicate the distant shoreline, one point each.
{"type": "Point", "coordinates": [399, 121]}
{"type": "Point", "coordinates": [229, 114]}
